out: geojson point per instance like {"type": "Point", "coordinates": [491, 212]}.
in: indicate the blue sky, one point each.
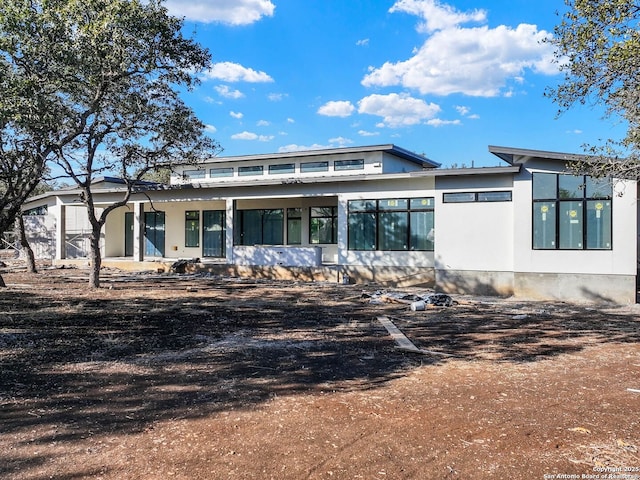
{"type": "Point", "coordinates": [445, 79]}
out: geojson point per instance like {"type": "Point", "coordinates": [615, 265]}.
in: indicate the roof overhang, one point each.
{"type": "Point", "coordinates": [519, 156]}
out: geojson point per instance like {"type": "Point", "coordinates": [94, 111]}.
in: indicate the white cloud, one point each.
{"type": "Point", "coordinates": [337, 109]}
{"type": "Point", "coordinates": [290, 120]}
{"type": "Point", "coordinates": [475, 61]}
{"type": "Point", "coordinates": [466, 112]}
{"type": "Point", "coordinates": [276, 97]}
{"type": "Point", "coordinates": [364, 133]}
{"type": "Point", "coordinates": [301, 148]}
{"type": "Point", "coordinates": [251, 136]}
{"type": "Point", "coordinates": [237, 115]}
{"type": "Point", "coordinates": [363, 43]}
{"type": "Point", "coordinates": [398, 110]}
{"type": "Point", "coordinates": [263, 123]}
{"type": "Point", "coordinates": [437, 122]}
{"type": "Point", "coordinates": [234, 72]}
{"type": "Point", "coordinates": [341, 141]}
{"type": "Point", "coordinates": [232, 12]}
{"type": "Point", "coordinates": [436, 15]}
{"type": "Point", "coordinates": [210, 129]}
{"type": "Point", "coordinates": [226, 92]}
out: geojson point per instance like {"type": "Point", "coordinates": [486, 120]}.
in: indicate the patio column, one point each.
{"type": "Point", "coordinates": [60, 212]}
{"type": "Point", "coordinates": [138, 231]}
{"type": "Point", "coordinates": [231, 210]}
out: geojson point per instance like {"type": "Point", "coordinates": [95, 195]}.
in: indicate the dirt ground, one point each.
{"type": "Point", "coordinates": [193, 377]}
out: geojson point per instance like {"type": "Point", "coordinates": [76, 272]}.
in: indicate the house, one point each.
{"type": "Point", "coordinates": [377, 213]}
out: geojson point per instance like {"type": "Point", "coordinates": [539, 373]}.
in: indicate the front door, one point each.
{"type": "Point", "coordinates": [213, 233]}
{"type": "Point", "coordinates": [154, 234]}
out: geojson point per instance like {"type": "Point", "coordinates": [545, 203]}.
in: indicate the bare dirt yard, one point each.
{"type": "Point", "coordinates": [192, 377]}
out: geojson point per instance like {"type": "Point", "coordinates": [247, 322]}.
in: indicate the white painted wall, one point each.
{"type": "Point", "coordinates": [478, 235]}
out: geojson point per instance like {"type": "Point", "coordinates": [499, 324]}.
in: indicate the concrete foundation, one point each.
{"type": "Point", "coordinates": [620, 289]}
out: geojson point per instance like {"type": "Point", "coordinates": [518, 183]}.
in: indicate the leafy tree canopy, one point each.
{"type": "Point", "coordinates": [598, 48]}
{"type": "Point", "coordinates": [92, 86]}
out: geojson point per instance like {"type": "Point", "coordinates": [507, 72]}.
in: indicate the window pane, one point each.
{"type": "Point", "coordinates": [570, 186]}
{"type": "Point", "coordinates": [570, 222]}
{"type": "Point", "coordinates": [393, 204]}
{"type": "Point", "coordinates": [422, 232]}
{"type": "Point", "coordinates": [273, 227]}
{"type": "Point", "coordinates": [192, 229]}
{"type": "Point", "coordinates": [362, 231]}
{"type": "Point", "coordinates": [282, 168]}
{"type": "Point", "coordinates": [494, 196]}
{"type": "Point", "coordinates": [250, 231]}
{"type": "Point", "coordinates": [314, 167]}
{"type": "Point", "coordinates": [458, 197]}
{"type": "Point", "coordinates": [348, 164]}
{"type": "Point", "coordinates": [599, 224]}
{"type": "Point", "coordinates": [294, 226]}
{"type": "Point", "coordinates": [213, 233]}
{"type": "Point", "coordinates": [362, 205]}
{"type": "Point", "coordinates": [544, 225]}
{"type": "Point", "coordinates": [393, 231]}
{"type": "Point", "coordinates": [599, 187]}
{"type": "Point", "coordinates": [221, 172]}
{"type": "Point", "coordinates": [321, 230]}
{"type": "Point", "coordinates": [294, 231]}
{"type": "Point", "coordinates": [194, 174]}
{"type": "Point", "coordinates": [422, 203]}
{"type": "Point", "coordinates": [323, 211]}
{"type": "Point", "coordinates": [245, 171]}
{"type": "Point", "coordinates": [544, 186]}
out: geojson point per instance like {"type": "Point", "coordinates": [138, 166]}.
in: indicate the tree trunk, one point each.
{"type": "Point", "coordinates": [95, 257]}
{"type": "Point", "coordinates": [28, 251]}
{"type": "Point", "coordinates": [2, 284]}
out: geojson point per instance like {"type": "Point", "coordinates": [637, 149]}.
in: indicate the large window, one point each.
{"type": "Point", "coordinates": [324, 225]}
{"type": "Point", "coordinates": [571, 212]}
{"type": "Point", "coordinates": [259, 227]}
{"type": "Point", "coordinates": [192, 229]}
{"type": "Point", "coordinates": [392, 224]}
{"type": "Point", "coordinates": [294, 226]}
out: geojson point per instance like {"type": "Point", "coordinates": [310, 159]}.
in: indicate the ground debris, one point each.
{"type": "Point", "coordinates": [417, 301]}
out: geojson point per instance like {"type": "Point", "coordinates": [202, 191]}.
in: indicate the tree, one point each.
{"type": "Point", "coordinates": [598, 49]}
{"type": "Point", "coordinates": [112, 69]}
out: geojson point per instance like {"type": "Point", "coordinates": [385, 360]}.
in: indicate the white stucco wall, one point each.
{"type": "Point", "coordinates": [477, 235]}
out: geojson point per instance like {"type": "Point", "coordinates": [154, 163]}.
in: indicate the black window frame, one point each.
{"type": "Point", "coordinates": [486, 196]}
{"type": "Point", "coordinates": [192, 229]}
{"type": "Point", "coordinates": [378, 207]}
{"type": "Point", "coordinates": [555, 200]}
{"type": "Point", "coordinates": [333, 222]}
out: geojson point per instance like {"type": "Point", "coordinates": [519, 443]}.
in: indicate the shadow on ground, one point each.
{"type": "Point", "coordinates": [76, 364]}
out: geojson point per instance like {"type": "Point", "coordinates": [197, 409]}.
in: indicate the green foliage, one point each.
{"type": "Point", "coordinates": [92, 86]}
{"type": "Point", "coordinates": [598, 48]}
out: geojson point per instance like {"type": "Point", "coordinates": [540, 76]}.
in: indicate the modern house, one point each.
{"type": "Point", "coordinates": [377, 213]}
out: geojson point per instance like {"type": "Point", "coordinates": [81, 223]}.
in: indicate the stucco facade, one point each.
{"type": "Point", "coordinates": [376, 213]}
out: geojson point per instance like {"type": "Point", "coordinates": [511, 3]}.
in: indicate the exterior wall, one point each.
{"type": "Point", "coordinates": [374, 163]}
{"type": "Point", "coordinates": [41, 234]}
{"type": "Point", "coordinates": [576, 274]}
{"type": "Point", "coordinates": [114, 233]}
{"type": "Point", "coordinates": [480, 247]}
{"type": "Point", "coordinates": [474, 241]}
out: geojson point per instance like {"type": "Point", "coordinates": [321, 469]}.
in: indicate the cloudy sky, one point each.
{"type": "Point", "coordinates": [445, 79]}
